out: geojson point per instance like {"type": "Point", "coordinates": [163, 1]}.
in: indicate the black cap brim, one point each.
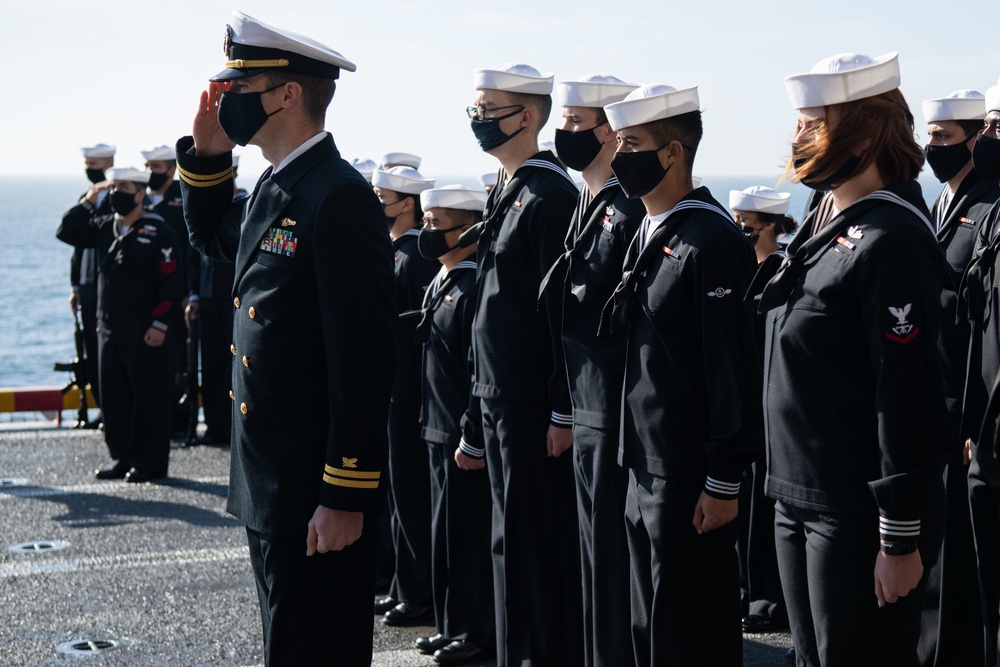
{"type": "Point", "coordinates": [234, 74]}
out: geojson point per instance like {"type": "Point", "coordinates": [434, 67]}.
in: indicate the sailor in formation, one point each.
{"type": "Point", "coordinates": [140, 288]}
{"type": "Point", "coordinates": [398, 189]}
{"type": "Point", "coordinates": [583, 278]}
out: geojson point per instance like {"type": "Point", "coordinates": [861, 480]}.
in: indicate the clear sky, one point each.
{"type": "Point", "coordinates": [129, 73]}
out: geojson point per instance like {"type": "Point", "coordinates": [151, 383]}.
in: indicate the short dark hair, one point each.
{"type": "Point", "coordinates": [783, 224]}
{"type": "Point", "coordinates": [884, 120]}
{"type": "Point", "coordinates": [970, 127]}
{"type": "Point", "coordinates": [685, 128]}
{"type": "Point", "coordinates": [317, 91]}
{"type": "Point", "coordinates": [542, 104]}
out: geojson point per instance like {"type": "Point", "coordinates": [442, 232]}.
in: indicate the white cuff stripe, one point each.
{"type": "Point", "coordinates": [470, 450]}
{"type": "Point", "coordinates": [899, 528]}
{"type": "Point", "coordinates": [159, 325]}
{"type": "Point", "coordinates": [726, 488]}
{"type": "Point", "coordinates": [561, 419]}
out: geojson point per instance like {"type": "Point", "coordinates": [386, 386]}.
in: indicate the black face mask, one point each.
{"type": "Point", "coordinates": [123, 203]}
{"type": "Point", "coordinates": [241, 115]}
{"type": "Point", "coordinates": [839, 177]}
{"type": "Point", "coordinates": [749, 233]}
{"type": "Point", "coordinates": [95, 175]}
{"type": "Point", "coordinates": [577, 149]}
{"type": "Point", "coordinates": [986, 158]}
{"type": "Point", "coordinates": [947, 161]}
{"type": "Point", "coordinates": [638, 173]}
{"type": "Point", "coordinates": [488, 132]}
{"type": "Point", "coordinates": [156, 181]}
{"type": "Point", "coordinates": [432, 244]}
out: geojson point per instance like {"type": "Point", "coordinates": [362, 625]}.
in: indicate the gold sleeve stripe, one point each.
{"type": "Point", "coordinates": [250, 64]}
{"type": "Point", "coordinates": [200, 181]}
{"type": "Point", "coordinates": [351, 483]}
{"type": "Point", "coordinates": [356, 474]}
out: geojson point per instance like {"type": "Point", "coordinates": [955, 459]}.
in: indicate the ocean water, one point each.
{"type": "Point", "coordinates": [36, 325]}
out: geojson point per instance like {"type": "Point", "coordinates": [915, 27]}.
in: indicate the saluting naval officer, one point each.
{"type": "Point", "coordinates": [520, 377]}
{"type": "Point", "coordinates": [691, 398]}
{"type": "Point", "coordinates": [140, 287]}
{"type": "Point", "coordinates": [312, 338]}
{"type": "Point", "coordinates": [600, 231]}
{"type": "Point", "coordinates": [857, 429]}
{"type": "Point", "coordinates": [398, 189]}
{"type": "Point", "coordinates": [980, 304]}
{"type": "Point", "coordinates": [83, 265]}
{"type": "Point", "coordinates": [951, 627]}
{"type": "Point", "coordinates": [460, 498]}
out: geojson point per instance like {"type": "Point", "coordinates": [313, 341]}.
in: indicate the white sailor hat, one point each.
{"type": "Point", "coordinates": [846, 77]}
{"type": "Point", "coordinates": [759, 199]}
{"type": "Point", "coordinates": [653, 101]}
{"type": "Point", "coordinates": [127, 174]}
{"type": "Point", "coordinates": [547, 146]}
{"type": "Point", "coordinates": [488, 179]}
{"type": "Point", "coordinates": [252, 47]}
{"type": "Point", "coordinates": [401, 179]}
{"type": "Point", "coordinates": [959, 105]}
{"type": "Point", "coordinates": [365, 167]}
{"type": "Point", "coordinates": [100, 150]}
{"type": "Point", "coordinates": [236, 160]}
{"type": "Point", "coordinates": [404, 159]}
{"type": "Point", "coordinates": [993, 97]}
{"type": "Point", "coordinates": [594, 90]}
{"type": "Point", "coordinates": [513, 78]}
{"type": "Point", "coordinates": [159, 153]}
{"type": "Point", "coordinates": [454, 196]}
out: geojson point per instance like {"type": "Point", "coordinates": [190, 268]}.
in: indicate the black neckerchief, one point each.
{"type": "Point", "coordinates": [801, 254]}
{"type": "Point", "coordinates": [564, 262]}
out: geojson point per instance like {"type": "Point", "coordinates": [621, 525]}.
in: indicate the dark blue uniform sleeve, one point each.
{"type": "Point", "coordinates": [78, 227]}
{"type": "Point", "coordinates": [472, 421]}
{"type": "Point", "coordinates": [170, 279]}
{"type": "Point", "coordinates": [354, 283]}
{"type": "Point", "coordinates": [900, 288]}
{"type": "Point", "coordinates": [211, 214]}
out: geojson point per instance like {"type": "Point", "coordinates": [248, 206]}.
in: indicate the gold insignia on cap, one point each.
{"type": "Point", "coordinates": [287, 222]}
{"type": "Point", "coordinates": [349, 463]}
{"type": "Point", "coordinates": [228, 41]}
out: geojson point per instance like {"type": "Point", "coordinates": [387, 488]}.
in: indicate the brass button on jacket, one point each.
{"type": "Point", "coordinates": [236, 302]}
{"type": "Point", "coordinates": [246, 362]}
{"type": "Point", "coordinates": [232, 394]}
{"type": "Point", "coordinates": [232, 348]}
{"type": "Point", "coordinates": [243, 408]}
{"type": "Point", "coordinates": [252, 313]}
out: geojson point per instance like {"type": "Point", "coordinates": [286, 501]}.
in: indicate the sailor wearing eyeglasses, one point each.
{"type": "Point", "coordinates": [520, 379]}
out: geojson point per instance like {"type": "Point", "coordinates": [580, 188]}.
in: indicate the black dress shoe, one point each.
{"type": "Point", "coordinates": [790, 656]}
{"type": "Point", "coordinates": [460, 652]}
{"type": "Point", "coordinates": [428, 645]}
{"type": "Point", "coordinates": [116, 470]}
{"type": "Point", "coordinates": [136, 476]}
{"type": "Point", "coordinates": [385, 604]}
{"type": "Point", "coordinates": [405, 613]}
{"type": "Point", "coordinates": [754, 624]}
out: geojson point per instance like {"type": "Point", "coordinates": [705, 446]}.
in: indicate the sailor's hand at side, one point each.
{"type": "Point", "coordinates": [154, 337]}
{"type": "Point", "coordinates": [558, 440]}
{"type": "Point", "coordinates": [74, 301]}
{"type": "Point", "coordinates": [711, 513]}
{"type": "Point", "coordinates": [332, 530]}
{"type": "Point", "coordinates": [209, 138]}
{"type": "Point", "coordinates": [466, 462]}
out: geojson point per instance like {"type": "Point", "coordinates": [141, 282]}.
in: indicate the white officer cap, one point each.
{"type": "Point", "coordinates": [401, 179]}
{"type": "Point", "coordinates": [959, 105]}
{"type": "Point", "coordinates": [653, 101]}
{"type": "Point", "coordinates": [365, 167]}
{"type": "Point", "coordinates": [846, 77]}
{"type": "Point", "coordinates": [453, 196]}
{"type": "Point", "coordinates": [514, 78]}
{"type": "Point", "coordinates": [159, 153]}
{"type": "Point", "coordinates": [488, 179]}
{"type": "Point", "coordinates": [253, 47]}
{"type": "Point", "coordinates": [397, 159]}
{"type": "Point", "coordinates": [993, 97]}
{"type": "Point", "coordinates": [594, 90]}
{"type": "Point", "coordinates": [127, 174]}
{"type": "Point", "coordinates": [759, 199]}
{"type": "Point", "coordinates": [100, 150]}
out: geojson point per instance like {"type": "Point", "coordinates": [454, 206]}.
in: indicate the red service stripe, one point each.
{"type": "Point", "coordinates": [32, 399]}
{"type": "Point", "coordinates": [162, 308]}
